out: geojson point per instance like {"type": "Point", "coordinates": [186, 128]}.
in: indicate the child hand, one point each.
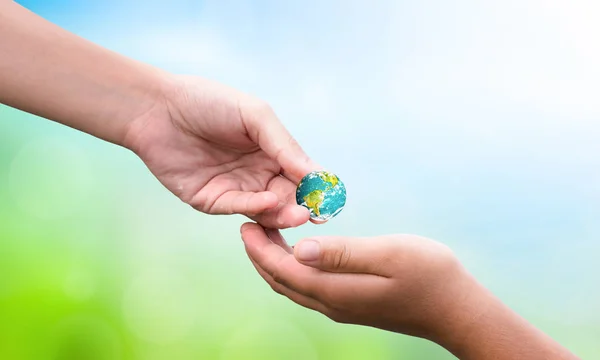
{"type": "Point", "coordinates": [399, 283]}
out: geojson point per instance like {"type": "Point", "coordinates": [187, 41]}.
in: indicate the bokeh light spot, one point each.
{"type": "Point", "coordinates": [159, 306]}
{"type": "Point", "coordinates": [50, 179]}
{"type": "Point", "coordinates": [269, 340]}
{"type": "Point", "coordinates": [79, 285]}
{"type": "Point", "coordinates": [85, 337]}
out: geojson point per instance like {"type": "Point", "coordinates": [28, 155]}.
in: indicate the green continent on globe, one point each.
{"type": "Point", "coordinates": [330, 178]}
{"type": "Point", "coordinates": [323, 193]}
{"type": "Point", "coordinates": [314, 200]}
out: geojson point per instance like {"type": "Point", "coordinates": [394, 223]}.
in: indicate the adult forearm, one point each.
{"type": "Point", "coordinates": [52, 73]}
{"type": "Point", "coordinates": [482, 327]}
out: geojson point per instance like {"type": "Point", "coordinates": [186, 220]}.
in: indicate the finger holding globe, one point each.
{"type": "Point", "coordinates": [323, 194]}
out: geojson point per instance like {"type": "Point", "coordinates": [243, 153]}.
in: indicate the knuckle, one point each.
{"type": "Point", "coordinates": [388, 261]}
{"type": "Point", "coordinates": [279, 277]}
{"type": "Point", "coordinates": [256, 109]}
{"type": "Point", "coordinates": [382, 265]}
{"type": "Point", "coordinates": [293, 143]}
{"type": "Point", "coordinates": [442, 257]}
{"type": "Point", "coordinates": [446, 251]}
{"type": "Point", "coordinates": [338, 258]}
{"type": "Point", "coordinates": [263, 107]}
{"type": "Point", "coordinates": [297, 149]}
{"type": "Point", "coordinates": [448, 261]}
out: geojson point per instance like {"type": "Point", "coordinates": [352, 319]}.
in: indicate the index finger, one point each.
{"type": "Point", "coordinates": [280, 264]}
{"type": "Point", "coordinates": [268, 132]}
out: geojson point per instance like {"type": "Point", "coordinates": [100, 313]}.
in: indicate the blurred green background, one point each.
{"type": "Point", "coordinates": [478, 121]}
{"type": "Point", "coordinates": [98, 261]}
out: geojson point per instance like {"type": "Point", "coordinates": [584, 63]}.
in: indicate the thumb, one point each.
{"type": "Point", "coordinates": [343, 254]}
{"type": "Point", "coordinates": [272, 137]}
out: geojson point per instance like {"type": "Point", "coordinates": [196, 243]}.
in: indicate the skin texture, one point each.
{"type": "Point", "coordinates": [225, 152]}
{"type": "Point", "coordinates": [219, 150]}
{"type": "Point", "coordinates": [401, 283]}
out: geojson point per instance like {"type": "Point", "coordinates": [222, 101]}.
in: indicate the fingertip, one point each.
{"type": "Point", "coordinates": [283, 217]}
{"type": "Point", "coordinates": [251, 233]}
{"type": "Point", "coordinates": [307, 251]}
{"type": "Point", "coordinates": [246, 226]}
{"type": "Point", "coordinates": [294, 216]}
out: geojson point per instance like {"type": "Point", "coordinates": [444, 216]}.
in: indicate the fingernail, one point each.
{"type": "Point", "coordinates": [307, 250]}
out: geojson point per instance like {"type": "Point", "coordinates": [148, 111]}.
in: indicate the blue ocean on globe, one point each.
{"type": "Point", "coordinates": [323, 193]}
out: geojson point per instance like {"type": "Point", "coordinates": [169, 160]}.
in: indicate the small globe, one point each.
{"type": "Point", "coordinates": [323, 193]}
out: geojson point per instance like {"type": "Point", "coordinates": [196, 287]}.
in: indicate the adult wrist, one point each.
{"type": "Point", "coordinates": [154, 91]}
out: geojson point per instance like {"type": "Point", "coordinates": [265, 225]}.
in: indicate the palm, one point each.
{"type": "Point", "coordinates": [205, 152]}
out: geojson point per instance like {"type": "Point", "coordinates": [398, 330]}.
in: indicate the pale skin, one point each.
{"type": "Point", "coordinates": [219, 150]}
{"type": "Point", "coordinates": [225, 152]}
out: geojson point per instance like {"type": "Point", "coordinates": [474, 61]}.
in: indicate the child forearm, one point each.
{"type": "Point", "coordinates": [482, 327]}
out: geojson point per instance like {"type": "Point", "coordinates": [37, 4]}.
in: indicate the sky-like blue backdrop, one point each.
{"type": "Point", "coordinates": [474, 123]}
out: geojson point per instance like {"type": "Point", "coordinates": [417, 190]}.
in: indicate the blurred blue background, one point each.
{"type": "Point", "coordinates": [474, 123]}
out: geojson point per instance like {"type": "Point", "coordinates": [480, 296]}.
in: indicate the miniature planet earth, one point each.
{"type": "Point", "coordinates": [323, 193]}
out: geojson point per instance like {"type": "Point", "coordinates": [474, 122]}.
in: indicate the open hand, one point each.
{"type": "Point", "coordinates": [222, 152]}
{"type": "Point", "coordinates": [399, 283]}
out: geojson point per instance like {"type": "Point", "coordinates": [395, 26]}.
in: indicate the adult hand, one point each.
{"type": "Point", "coordinates": [219, 150]}
{"type": "Point", "coordinates": [400, 283]}
{"type": "Point", "coordinates": [222, 152]}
